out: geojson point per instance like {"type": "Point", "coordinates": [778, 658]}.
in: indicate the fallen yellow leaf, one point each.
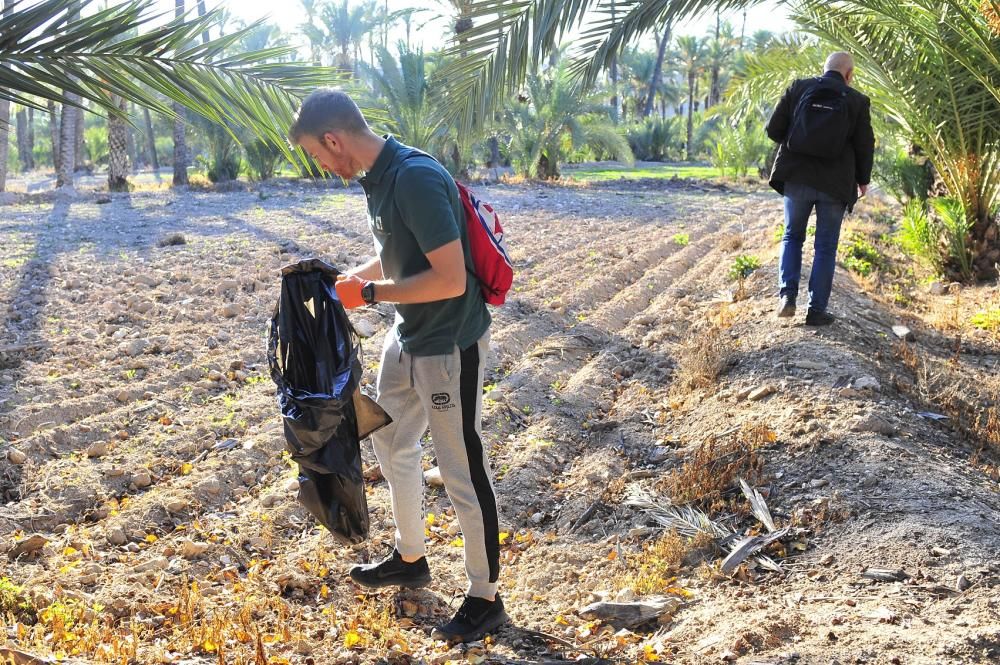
{"type": "Point", "coordinates": [150, 538]}
{"type": "Point", "coordinates": [458, 542]}
{"type": "Point", "coordinates": [186, 468]}
{"type": "Point", "coordinates": [351, 639]}
{"type": "Point", "coordinates": [503, 537]}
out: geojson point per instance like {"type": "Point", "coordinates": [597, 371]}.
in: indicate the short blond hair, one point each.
{"type": "Point", "coordinates": [327, 110]}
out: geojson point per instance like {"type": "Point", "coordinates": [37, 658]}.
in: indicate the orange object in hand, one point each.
{"type": "Point", "coordinates": [349, 290]}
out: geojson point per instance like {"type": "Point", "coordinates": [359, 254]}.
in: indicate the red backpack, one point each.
{"type": "Point", "coordinates": [491, 263]}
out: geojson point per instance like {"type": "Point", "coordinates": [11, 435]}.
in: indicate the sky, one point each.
{"type": "Point", "coordinates": [430, 26]}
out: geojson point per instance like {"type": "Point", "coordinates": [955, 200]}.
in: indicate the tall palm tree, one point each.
{"type": "Point", "coordinates": [4, 120]}
{"type": "Point", "coordinates": [691, 58]}
{"type": "Point", "coordinates": [118, 163]}
{"type": "Point", "coordinates": [67, 124]}
{"type": "Point", "coordinates": [180, 141]}
{"type": "Point", "coordinates": [656, 77]}
{"type": "Point", "coordinates": [150, 137]}
{"type": "Point", "coordinates": [25, 139]}
{"type": "Point", "coordinates": [346, 27]}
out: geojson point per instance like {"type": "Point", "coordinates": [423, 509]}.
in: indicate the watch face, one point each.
{"type": "Point", "coordinates": [368, 292]}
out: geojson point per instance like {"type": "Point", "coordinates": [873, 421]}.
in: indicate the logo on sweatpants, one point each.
{"type": "Point", "coordinates": [441, 402]}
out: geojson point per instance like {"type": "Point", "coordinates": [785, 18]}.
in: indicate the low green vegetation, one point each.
{"type": "Point", "coordinates": [861, 256]}
{"type": "Point", "coordinates": [743, 266]}
{"type": "Point", "coordinates": [665, 172]}
{"type": "Point", "coordinates": [988, 319]}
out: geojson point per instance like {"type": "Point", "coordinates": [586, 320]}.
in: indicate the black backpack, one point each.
{"type": "Point", "coordinates": [821, 121]}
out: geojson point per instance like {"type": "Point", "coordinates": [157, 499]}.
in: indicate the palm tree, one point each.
{"type": "Point", "coordinates": [691, 58]}
{"type": "Point", "coordinates": [180, 141]}
{"type": "Point", "coordinates": [406, 89]}
{"type": "Point", "coordinates": [346, 27]}
{"type": "Point", "coordinates": [4, 121]}
{"type": "Point", "coordinates": [556, 114]}
{"type": "Point", "coordinates": [934, 67]}
{"type": "Point", "coordinates": [657, 76]}
{"type": "Point", "coordinates": [118, 163]}
{"type": "Point", "coordinates": [44, 51]}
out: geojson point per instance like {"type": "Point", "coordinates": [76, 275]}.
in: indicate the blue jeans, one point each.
{"type": "Point", "coordinates": [799, 202]}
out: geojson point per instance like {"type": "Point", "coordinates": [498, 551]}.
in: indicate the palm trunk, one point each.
{"type": "Point", "coordinates": [714, 94]}
{"type": "Point", "coordinates": [130, 147]}
{"type": "Point", "coordinates": [4, 123]}
{"type": "Point", "coordinates": [657, 71]}
{"type": "Point", "coordinates": [4, 142]}
{"type": "Point", "coordinates": [79, 154]}
{"type": "Point", "coordinates": [31, 138]}
{"type": "Point", "coordinates": [614, 74]}
{"type": "Point", "coordinates": [690, 109]}
{"type": "Point", "coordinates": [23, 151]}
{"type": "Point", "coordinates": [54, 134]}
{"type": "Point", "coordinates": [67, 143]}
{"type": "Point", "coordinates": [180, 144]}
{"type": "Point", "coordinates": [205, 37]}
{"type": "Point", "coordinates": [117, 148]}
{"type": "Point", "coordinates": [151, 140]}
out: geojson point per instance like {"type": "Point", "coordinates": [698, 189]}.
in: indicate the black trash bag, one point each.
{"type": "Point", "coordinates": [313, 352]}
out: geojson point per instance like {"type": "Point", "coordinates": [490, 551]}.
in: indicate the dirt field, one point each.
{"type": "Point", "coordinates": [141, 440]}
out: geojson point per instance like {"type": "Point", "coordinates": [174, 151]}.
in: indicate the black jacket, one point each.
{"type": "Point", "coordinates": [838, 177]}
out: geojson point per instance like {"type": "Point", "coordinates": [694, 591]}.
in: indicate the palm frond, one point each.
{"type": "Point", "coordinates": [493, 59]}
{"type": "Point", "coordinates": [46, 53]}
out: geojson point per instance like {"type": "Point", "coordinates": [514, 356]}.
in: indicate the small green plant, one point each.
{"type": "Point", "coordinates": [14, 602]}
{"type": "Point", "coordinates": [681, 239]}
{"type": "Point", "coordinates": [956, 226]}
{"type": "Point", "coordinates": [743, 266]}
{"type": "Point", "coordinates": [861, 256]}
{"type": "Point", "coordinates": [988, 319]}
{"type": "Point", "coordinates": [918, 235]}
{"type": "Point", "coordinates": [129, 374]}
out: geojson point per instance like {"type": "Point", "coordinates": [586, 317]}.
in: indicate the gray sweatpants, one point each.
{"type": "Point", "coordinates": [444, 392]}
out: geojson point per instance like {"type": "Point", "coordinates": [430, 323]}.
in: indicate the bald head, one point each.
{"type": "Point", "coordinates": [842, 62]}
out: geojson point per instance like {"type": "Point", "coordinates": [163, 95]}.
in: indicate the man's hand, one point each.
{"type": "Point", "coordinates": [349, 290]}
{"type": "Point", "coordinates": [863, 189]}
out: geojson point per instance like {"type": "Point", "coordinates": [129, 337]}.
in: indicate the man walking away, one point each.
{"type": "Point", "coordinates": [824, 160]}
{"type": "Point", "coordinates": [432, 361]}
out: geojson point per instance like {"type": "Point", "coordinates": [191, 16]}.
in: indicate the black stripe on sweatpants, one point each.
{"type": "Point", "coordinates": [468, 389]}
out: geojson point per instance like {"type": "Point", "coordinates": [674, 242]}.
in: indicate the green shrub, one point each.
{"type": "Point", "coordinates": [743, 266]}
{"type": "Point", "coordinates": [988, 319]}
{"type": "Point", "coordinates": [262, 159]}
{"type": "Point", "coordinates": [861, 256]}
{"type": "Point", "coordinates": [955, 225]}
{"type": "Point", "coordinates": [656, 139]}
{"type": "Point", "coordinates": [681, 239]}
{"type": "Point", "coordinates": [739, 149]}
{"type": "Point", "coordinates": [919, 236]}
{"type": "Point", "coordinates": [14, 602]}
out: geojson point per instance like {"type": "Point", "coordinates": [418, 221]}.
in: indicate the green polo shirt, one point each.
{"type": "Point", "coordinates": [413, 209]}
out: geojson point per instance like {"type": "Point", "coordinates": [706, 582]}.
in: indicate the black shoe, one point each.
{"type": "Point", "coordinates": [393, 571]}
{"type": "Point", "coordinates": [815, 318]}
{"type": "Point", "coordinates": [786, 308]}
{"type": "Point", "coordinates": [473, 620]}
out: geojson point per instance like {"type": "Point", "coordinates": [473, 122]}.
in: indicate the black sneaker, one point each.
{"type": "Point", "coordinates": [815, 318]}
{"type": "Point", "coordinates": [473, 620]}
{"type": "Point", "coordinates": [393, 571]}
{"type": "Point", "coordinates": [786, 308]}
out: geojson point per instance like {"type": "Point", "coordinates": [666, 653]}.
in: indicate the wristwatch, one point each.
{"type": "Point", "coordinates": [368, 293]}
